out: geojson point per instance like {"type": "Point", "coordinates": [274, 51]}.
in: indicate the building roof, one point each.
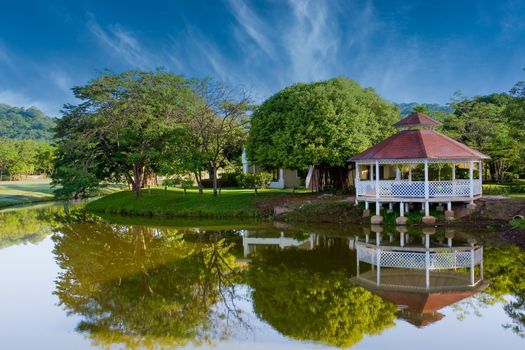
{"type": "Point", "coordinates": [416, 119]}
{"type": "Point", "coordinates": [419, 144]}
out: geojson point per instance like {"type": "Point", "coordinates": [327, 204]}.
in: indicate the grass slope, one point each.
{"type": "Point", "coordinates": [21, 192]}
{"type": "Point", "coordinates": [173, 202]}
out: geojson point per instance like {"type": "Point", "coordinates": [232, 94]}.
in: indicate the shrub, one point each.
{"type": "Point", "coordinates": [255, 180]}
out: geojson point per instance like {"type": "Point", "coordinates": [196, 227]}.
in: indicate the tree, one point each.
{"type": "Point", "coordinates": [217, 119]}
{"type": "Point", "coordinates": [320, 124]}
{"type": "Point", "coordinates": [18, 157]}
{"type": "Point", "coordinates": [122, 127]}
{"type": "Point", "coordinates": [486, 124]}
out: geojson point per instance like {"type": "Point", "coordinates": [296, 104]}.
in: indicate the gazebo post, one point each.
{"type": "Point", "coordinates": [377, 219]}
{"type": "Point", "coordinates": [401, 209]}
{"type": "Point", "coordinates": [471, 205]}
{"type": "Point", "coordinates": [427, 219]}
{"type": "Point", "coordinates": [471, 181]}
{"type": "Point", "coordinates": [427, 260]}
{"type": "Point", "coordinates": [356, 181]}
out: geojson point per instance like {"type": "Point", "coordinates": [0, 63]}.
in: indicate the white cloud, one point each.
{"type": "Point", "coordinates": [252, 26]}
{"type": "Point", "coordinates": [123, 44]}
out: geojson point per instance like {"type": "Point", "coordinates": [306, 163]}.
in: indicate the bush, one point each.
{"type": "Point", "coordinates": [231, 179]}
{"type": "Point", "coordinates": [255, 180]}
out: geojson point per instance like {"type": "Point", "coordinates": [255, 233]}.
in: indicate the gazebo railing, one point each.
{"type": "Point", "coordinates": [413, 258]}
{"type": "Point", "coordinates": [416, 189]}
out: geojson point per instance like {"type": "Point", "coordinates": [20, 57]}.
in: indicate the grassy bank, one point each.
{"type": "Point", "coordinates": [22, 192]}
{"type": "Point", "coordinates": [25, 192]}
{"type": "Point", "coordinates": [173, 203]}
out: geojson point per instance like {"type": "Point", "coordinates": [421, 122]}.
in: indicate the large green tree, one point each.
{"type": "Point", "coordinates": [121, 129]}
{"type": "Point", "coordinates": [492, 124]}
{"type": "Point", "coordinates": [322, 124]}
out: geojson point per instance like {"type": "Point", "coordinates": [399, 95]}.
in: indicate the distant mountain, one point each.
{"type": "Point", "coordinates": [22, 123]}
{"type": "Point", "coordinates": [434, 110]}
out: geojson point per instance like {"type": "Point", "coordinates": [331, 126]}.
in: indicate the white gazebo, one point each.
{"type": "Point", "coordinates": [397, 169]}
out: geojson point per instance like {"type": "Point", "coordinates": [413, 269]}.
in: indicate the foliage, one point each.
{"type": "Point", "coordinates": [255, 180]}
{"type": "Point", "coordinates": [321, 124]}
{"type": "Point", "coordinates": [142, 287]}
{"type": "Point", "coordinates": [25, 157]}
{"type": "Point", "coordinates": [433, 110]}
{"type": "Point", "coordinates": [493, 125]}
{"type": "Point", "coordinates": [25, 123]}
{"type": "Point", "coordinates": [517, 223]}
{"type": "Point", "coordinates": [216, 116]}
{"type": "Point", "coordinates": [121, 129]}
{"type": "Point", "coordinates": [322, 307]}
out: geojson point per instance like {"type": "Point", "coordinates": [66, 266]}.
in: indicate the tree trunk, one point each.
{"type": "Point", "coordinates": [214, 179]}
{"type": "Point", "coordinates": [198, 178]}
{"type": "Point", "coordinates": [138, 174]}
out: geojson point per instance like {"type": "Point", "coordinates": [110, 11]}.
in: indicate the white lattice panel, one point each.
{"type": "Point", "coordinates": [416, 189]}
{"type": "Point", "coordinates": [477, 187]}
{"type": "Point", "coordinates": [406, 260]}
{"type": "Point", "coordinates": [438, 260]}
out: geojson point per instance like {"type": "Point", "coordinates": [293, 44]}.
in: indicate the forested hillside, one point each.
{"type": "Point", "coordinates": [22, 123]}
{"type": "Point", "coordinates": [432, 108]}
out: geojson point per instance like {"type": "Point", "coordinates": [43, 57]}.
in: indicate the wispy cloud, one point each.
{"type": "Point", "coordinates": [123, 44]}
{"type": "Point", "coordinates": [252, 26]}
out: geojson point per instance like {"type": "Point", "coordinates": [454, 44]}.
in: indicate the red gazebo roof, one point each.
{"type": "Point", "coordinates": [416, 119]}
{"type": "Point", "coordinates": [419, 144]}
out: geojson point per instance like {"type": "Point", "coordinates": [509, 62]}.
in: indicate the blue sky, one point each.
{"type": "Point", "coordinates": [408, 51]}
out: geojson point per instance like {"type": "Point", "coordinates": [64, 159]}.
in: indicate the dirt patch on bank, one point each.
{"type": "Point", "coordinates": [312, 208]}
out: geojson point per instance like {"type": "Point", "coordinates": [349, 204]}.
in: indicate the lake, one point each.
{"type": "Point", "coordinates": [74, 280]}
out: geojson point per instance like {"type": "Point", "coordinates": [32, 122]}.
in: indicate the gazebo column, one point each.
{"type": "Point", "coordinates": [471, 205]}
{"type": "Point", "coordinates": [377, 219]}
{"type": "Point", "coordinates": [427, 219]}
{"type": "Point", "coordinates": [453, 178]}
{"type": "Point", "coordinates": [356, 181]}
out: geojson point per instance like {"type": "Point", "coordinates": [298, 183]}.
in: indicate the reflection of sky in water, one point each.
{"type": "Point", "coordinates": [31, 319]}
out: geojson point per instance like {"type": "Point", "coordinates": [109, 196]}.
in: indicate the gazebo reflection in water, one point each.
{"type": "Point", "coordinates": [419, 277]}
{"type": "Point", "coordinates": [419, 274]}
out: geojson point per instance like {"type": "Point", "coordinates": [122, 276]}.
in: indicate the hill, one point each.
{"type": "Point", "coordinates": [22, 123]}
{"type": "Point", "coordinates": [433, 108]}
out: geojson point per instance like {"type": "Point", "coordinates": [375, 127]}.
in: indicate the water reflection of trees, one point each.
{"type": "Point", "coordinates": [25, 226]}
{"type": "Point", "coordinates": [504, 267]}
{"type": "Point", "coordinates": [306, 295]}
{"type": "Point", "coordinates": [140, 286]}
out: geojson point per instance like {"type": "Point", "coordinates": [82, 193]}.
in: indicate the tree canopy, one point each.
{"type": "Point", "coordinates": [492, 124]}
{"type": "Point", "coordinates": [319, 123]}
{"type": "Point", "coordinates": [123, 126]}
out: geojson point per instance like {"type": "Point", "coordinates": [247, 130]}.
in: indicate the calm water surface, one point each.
{"type": "Point", "coordinates": [79, 281]}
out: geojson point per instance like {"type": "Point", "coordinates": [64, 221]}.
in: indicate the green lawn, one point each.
{"type": "Point", "coordinates": [20, 192]}
{"type": "Point", "coordinates": [23, 192]}
{"type": "Point", "coordinates": [158, 202]}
